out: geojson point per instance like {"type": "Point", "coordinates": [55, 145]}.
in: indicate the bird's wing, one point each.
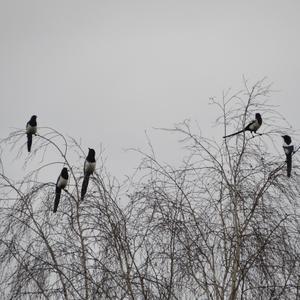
{"type": "Point", "coordinates": [251, 125]}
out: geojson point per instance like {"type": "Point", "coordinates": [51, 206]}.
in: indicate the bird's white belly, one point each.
{"type": "Point", "coordinates": [89, 167]}
{"type": "Point", "coordinates": [62, 182]}
{"type": "Point", "coordinates": [254, 126]}
{"type": "Point", "coordinates": [288, 149]}
{"type": "Point", "coordinates": [30, 129]}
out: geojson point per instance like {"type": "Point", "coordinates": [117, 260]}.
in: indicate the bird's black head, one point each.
{"type": "Point", "coordinates": [64, 173]}
{"type": "Point", "coordinates": [258, 118]}
{"type": "Point", "coordinates": [91, 154]}
{"type": "Point", "coordinates": [33, 118]}
{"type": "Point", "coordinates": [287, 139]}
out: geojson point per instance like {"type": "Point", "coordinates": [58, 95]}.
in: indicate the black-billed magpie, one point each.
{"type": "Point", "coordinates": [288, 150]}
{"type": "Point", "coordinates": [31, 127]}
{"type": "Point", "coordinates": [88, 169]}
{"type": "Point", "coordinates": [253, 126]}
{"type": "Point", "coordinates": [61, 183]}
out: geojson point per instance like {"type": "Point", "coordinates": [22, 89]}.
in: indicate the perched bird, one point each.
{"type": "Point", "coordinates": [288, 150]}
{"type": "Point", "coordinates": [88, 169]}
{"type": "Point", "coordinates": [253, 126]}
{"type": "Point", "coordinates": [61, 183]}
{"type": "Point", "coordinates": [30, 130]}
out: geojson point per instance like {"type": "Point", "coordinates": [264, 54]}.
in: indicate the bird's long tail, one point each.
{"type": "Point", "coordinates": [57, 198]}
{"type": "Point", "coordinates": [85, 184]}
{"type": "Point", "coordinates": [289, 164]}
{"type": "Point", "coordinates": [232, 134]}
{"type": "Point", "coordinates": [29, 141]}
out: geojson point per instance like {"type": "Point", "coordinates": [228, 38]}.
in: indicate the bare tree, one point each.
{"type": "Point", "coordinates": [222, 225]}
{"type": "Point", "coordinates": [225, 225]}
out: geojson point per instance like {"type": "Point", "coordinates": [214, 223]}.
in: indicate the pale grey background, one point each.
{"type": "Point", "coordinates": [106, 71]}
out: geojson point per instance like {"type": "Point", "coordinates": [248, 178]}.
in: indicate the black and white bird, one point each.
{"type": "Point", "coordinates": [253, 126]}
{"type": "Point", "coordinates": [288, 150]}
{"type": "Point", "coordinates": [60, 184]}
{"type": "Point", "coordinates": [88, 169]}
{"type": "Point", "coordinates": [31, 127]}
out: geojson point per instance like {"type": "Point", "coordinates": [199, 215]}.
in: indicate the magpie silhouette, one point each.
{"type": "Point", "coordinates": [253, 126]}
{"type": "Point", "coordinates": [288, 150]}
{"type": "Point", "coordinates": [61, 183]}
{"type": "Point", "coordinates": [88, 169]}
{"type": "Point", "coordinates": [30, 130]}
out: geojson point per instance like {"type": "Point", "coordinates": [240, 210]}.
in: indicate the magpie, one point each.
{"type": "Point", "coordinates": [61, 183]}
{"type": "Point", "coordinates": [288, 150]}
{"type": "Point", "coordinates": [30, 130]}
{"type": "Point", "coordinates": [253, 126]}
{"type": "Point", "coordinates": [88, 169]}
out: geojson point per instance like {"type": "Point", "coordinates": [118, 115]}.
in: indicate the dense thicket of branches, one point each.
{"type": "Point", "coordinates": [223, 225]}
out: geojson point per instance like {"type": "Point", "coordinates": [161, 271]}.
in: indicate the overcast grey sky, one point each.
{"type": "Point", "coordinates": [105, 71]}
